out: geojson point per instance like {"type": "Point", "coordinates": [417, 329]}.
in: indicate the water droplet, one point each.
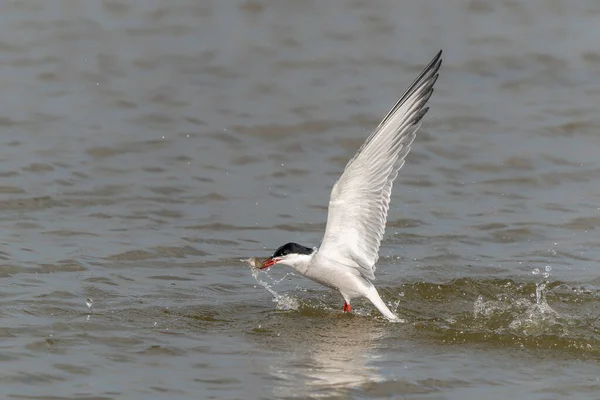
{"type": "Point", "coordinates": [89, 302]}
{"type": "Point", "coordinates": [536, 271]}
{"type": "Point", "coordinates": [548, 268]}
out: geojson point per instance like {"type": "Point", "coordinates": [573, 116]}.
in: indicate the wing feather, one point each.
{"type": "Point", "coordinates": [360, 199]}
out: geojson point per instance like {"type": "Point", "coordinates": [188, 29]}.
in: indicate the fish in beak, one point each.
{"type": "Point", "coordinates": [269, 262]}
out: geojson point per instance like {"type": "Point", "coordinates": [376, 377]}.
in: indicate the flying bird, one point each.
{"type": "Point", "coordinates": [359, 203]}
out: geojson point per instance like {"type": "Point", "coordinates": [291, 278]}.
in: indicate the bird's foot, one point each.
{"type": "Point", "coordinates": [347, 307]}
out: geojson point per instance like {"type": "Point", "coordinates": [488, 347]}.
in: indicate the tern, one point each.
{"type": "Point", "coordinates": [359, 203]}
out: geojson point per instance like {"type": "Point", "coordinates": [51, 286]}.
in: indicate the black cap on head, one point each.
{"type": "Point", "coordinates": [292, 248]}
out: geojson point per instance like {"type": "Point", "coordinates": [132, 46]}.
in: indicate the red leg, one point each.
{"type": "Point", "coordinates": [347, 307]}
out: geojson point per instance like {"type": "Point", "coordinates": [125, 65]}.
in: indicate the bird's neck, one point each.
{"type": "Point", "coordinates": [302, 262]}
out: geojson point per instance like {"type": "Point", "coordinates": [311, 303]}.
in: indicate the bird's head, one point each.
{"type": "Point", "coordinates": [291, 254]}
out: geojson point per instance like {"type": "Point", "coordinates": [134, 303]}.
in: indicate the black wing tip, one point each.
{"type": "Point", "coordinates": [436, 63]}
{"type": "Point", "coordinates": [430, 70]}
{"type": "Point", "coordinates": [427, 77]}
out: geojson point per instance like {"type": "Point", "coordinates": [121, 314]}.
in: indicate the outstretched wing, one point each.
{"type": "Point", "coordinates": [360, 199]}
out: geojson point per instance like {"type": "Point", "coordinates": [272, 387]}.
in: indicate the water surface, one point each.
{"type": "Point", "coordinates": [149, 147]}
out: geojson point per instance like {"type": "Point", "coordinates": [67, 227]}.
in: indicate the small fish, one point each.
{"type": "Point", "coordinates": [253, 261]}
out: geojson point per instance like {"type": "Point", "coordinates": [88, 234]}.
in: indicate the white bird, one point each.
{"type": "Point", "coordinates": [359, 203]}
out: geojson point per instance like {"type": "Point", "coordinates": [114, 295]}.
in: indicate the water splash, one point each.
{"type": "Point", "coordinates": [283, 301]}
{"type": "Point", "coordinates": [89, 302]}
{"type": "Point", "coordinates": [525, 316]}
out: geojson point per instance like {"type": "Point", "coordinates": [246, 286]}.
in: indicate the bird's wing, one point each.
{"type": "Point", "coordinates": [360, 199]}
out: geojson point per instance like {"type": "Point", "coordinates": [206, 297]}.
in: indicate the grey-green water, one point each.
{"type": "Point", "coordinates": [149, 146]}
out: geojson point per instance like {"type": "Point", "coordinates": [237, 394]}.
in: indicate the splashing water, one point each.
{"type": "Point", "coordinates": [283, 301]}
{"type": "Point", "coordinates": [89, 303]}
{"type": "Point", "coordinates": [522, 315]}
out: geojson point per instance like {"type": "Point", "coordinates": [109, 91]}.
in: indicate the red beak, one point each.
{"type": "Point", "coordinates": [269, 262]}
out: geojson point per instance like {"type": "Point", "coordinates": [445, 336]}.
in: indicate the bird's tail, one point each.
{"type": "Point", "coordinates": [377, 302]}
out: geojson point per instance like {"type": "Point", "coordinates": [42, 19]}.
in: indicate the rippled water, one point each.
{"type": "Point", "coordinates": [148, 147]}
